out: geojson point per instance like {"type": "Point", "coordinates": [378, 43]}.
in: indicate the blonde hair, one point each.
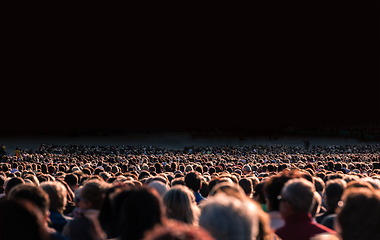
{"type": "Point", "coordinates": [180, 205]}
{"type": "Point", "coordinates": [230, 189]}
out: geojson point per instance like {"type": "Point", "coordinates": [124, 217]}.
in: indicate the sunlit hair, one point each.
{"type": "Point", "coordinates": [227, 218]}
{"type": "Point", "coordinates": [180, 205]}
{"type": "Point", "coordinates": [93, 191]}
{"type": "Point", "coordinates": [359, 216]}
{"type": "Point", "coordinates": [57, 195]}
{"type": "Point", "coordinates": [177, 231]}
{"type": "Point", "coordinates": [228, 188]}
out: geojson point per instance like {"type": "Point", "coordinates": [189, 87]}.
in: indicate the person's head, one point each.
{"type": "Point", "coordinates": [11, 183]}
{"type": "Point", "coordinates": [160, 187]}
{"type": "Point", "coordinates": [297, 197]}
{"type": "Point", "coordinates": [188, 168]}
{"type": "Point", "coordinates": [319, 184]}
{"type": "Point", "coordinates": [33, 194]}
{"type": "Point", "coordinates": [144, 174]}
{"type": "Point", "coordinates": [272, 189]}
{"type": "Point", "coordinates": [333, 192]}
{"type": "Point", "coordinates": [226, 217]}
{"type": "Point", "coordinates": [140, 210]}
{"type": "Point", "coordinates": [20, 219]}
{"type": "Point", "coordinates": [193, 181]}
{"type": "Point", "coordinates": [246, 169]}
{"type": "Point", "coordinates": [72, 180]}
{"type": "Point", "coordinates": [177, 231]}
{"type": "Point", "coordinates": [228, 188]}
{"type": "Point", "coordinates": [158, 167]}
{"type": "Point", "coordinates": [259, 195]}
{"type": "Point", "coordinates": [180, 205]}
{"type": "Point", "coordinates": [246, 185]}
{"type": "Point", "coordinates": [91, 195]}
{"type": "Point", "coordinates": [32, 178]}
{"type": "Point", "coordinates": [178, 181]}
{"type": "Point", "coordinates": [57, 195]}
{"type": "Point", "coordinates": [359, 216]}
{"type": "Point", "coordinates": [115, 169]}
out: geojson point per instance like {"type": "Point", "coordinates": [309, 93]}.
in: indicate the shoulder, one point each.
{"type": "Point", "coordinates": [280, 231]}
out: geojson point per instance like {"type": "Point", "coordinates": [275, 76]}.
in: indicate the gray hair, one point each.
{"type": "Point", "coordinates": [57, 195]}
{"type": "Point", "coordinates": [300, 194]}
{"type": "Point", "coordinates": [227, 218]}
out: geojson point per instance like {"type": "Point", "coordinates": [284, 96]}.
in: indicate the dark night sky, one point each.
{"type": "Point", "coordinates": [131, 66]}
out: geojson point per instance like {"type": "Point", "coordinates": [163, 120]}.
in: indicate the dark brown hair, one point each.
{"type": "Point", "coordinates": [359, 217]}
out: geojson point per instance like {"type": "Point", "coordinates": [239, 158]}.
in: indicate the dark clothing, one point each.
{"type": "Point", "coordinates": [198, 197]}
{"type": "Point", "coordinates": [322, 216]}
{"type": "Point", "coordinates": [80, 229]}
{"type": "Point", "coordinates": [85, 226]}
{"type": "Point", "coordinates": [58, 221]}
{"type": "Point", "coordinates": [328, 221]}
{"type": "Point", "coordinates": [300, 226]}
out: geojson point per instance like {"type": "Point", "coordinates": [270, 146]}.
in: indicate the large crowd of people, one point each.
{"type": "Point", "coordinates": [225, 192]}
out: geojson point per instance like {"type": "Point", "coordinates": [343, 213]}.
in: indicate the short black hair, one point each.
{"type": "Point", "coordinates": [246, 185]}
{"type": "Point", "coordinates": [193, 181]}
{"type": "Point", "coordinates": [71, 179]}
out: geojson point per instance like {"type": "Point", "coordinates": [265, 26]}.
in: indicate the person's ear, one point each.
{"type": "Point", "coordinates": [46, 217]}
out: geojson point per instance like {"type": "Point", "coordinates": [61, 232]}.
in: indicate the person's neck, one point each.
{"type": "Point", "coordinates": [297, 215]}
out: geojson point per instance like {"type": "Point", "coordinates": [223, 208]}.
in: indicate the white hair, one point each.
{"type": "Point", "coordinates": [227, 218]}
{"type": "Point", "coordinates": [300, 194]}
{"type": "Point", "coordinates": [159, 186]}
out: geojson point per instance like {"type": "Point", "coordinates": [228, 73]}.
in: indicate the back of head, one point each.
{"type": "Point", "coordinates": [193, 181]}
{"type": "Point", "coordinates": [93, 191]}
{"type": "Point", "coordinates": [33, 194]}
{"type": "Point", "coordinates": [359, 216]}
{"type": "Point", "coordinates": [299, 193]}
{"type": "Point", "coordinates": [141, 210]}
{"type": "Point", "coordinates": [319, 184]}
{"type": "Point", "coordinates": [227, 218]}
{"type": "Point", "coordinates": [272, 189]}
{"type": "Point", "coordinates": [71, 179]}
{"type": "Point", "coordinates": [177, 231]}
{"type": "Point", "coordinates": [13, 226]}
{"type": "Point", "coordinates": [333, 192]}
{"type": "Point", "coordinates": [229, 189]}
{"type": "Point", "coordinates": [246, 185]}
{"type": "Point", "coordinates": [188, 168]}
{"type": "Point", "coordinates": [246, 168]}
{"type": "Point", "coordinates": [180, 204]}
{"type": "Point", "coordinates": [57, 195]}
{"type": "Point", "coordinates": [12, 183]}
{"type": "Point", "coordinates": [159, 186]}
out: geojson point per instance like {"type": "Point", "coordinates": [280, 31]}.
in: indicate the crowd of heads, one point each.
{"type": "Point", "coordinates": [226, 192]}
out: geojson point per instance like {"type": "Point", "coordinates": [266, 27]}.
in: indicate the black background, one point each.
{"type": "Point", "coordinates": [112, 66]}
